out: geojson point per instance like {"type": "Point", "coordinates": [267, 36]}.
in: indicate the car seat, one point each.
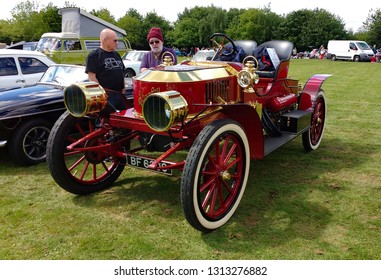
{"type": "Point", "coordinates": [244, 47]}
{"type": "Point", "coordinates": [283, 49]}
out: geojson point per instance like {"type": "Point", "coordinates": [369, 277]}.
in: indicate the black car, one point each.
{"type": "Point", "coordinates": [27, 114]}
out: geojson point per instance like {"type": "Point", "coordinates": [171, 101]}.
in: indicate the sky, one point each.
{"type": "Point", "coordinates": [353, 16]}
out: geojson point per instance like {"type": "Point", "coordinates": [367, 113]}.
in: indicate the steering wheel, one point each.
{"type": "Point", "coordinates": [217, 40]}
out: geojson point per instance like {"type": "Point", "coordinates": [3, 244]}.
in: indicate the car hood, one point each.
{"type": "Point", "coordinates": [30, 100]}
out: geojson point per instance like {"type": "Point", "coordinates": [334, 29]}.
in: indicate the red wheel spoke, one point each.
{"type": "Point", "coordinates": [76, 163]}
{"type": "Point", "coordinates": [233, 163]}
{"type": "Point", "coordinates": [207, 184]}
{"type": "Point", "coordinates": [84, 170]}
{"type": "Point", "coordinates": [231, 152]}
{"type": "Point", "coordinates": [94, 171]}
{"type": "Point", "coordinates": [214, 199]}
{"type": "Point", "coordinates": [224, 148]}
{"type": "Point", "coordinates": [208, 195]}
{"type": "Point", "coordinates": [227, 187]}
{"type": "Point", "coordinates": [212, 161]}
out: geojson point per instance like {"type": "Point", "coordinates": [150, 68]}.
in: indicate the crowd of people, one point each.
{"type": "Point", "coordinates": [319, 53]}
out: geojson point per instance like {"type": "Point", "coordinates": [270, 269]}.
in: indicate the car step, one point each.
{"type": "Point", "coordinates": [292, 124]}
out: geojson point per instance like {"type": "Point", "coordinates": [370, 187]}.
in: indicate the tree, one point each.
{"type": "Point", "coordinates": [255, 24]}
{"type": "Point", "coordinates": [104, 14]}
{"type": "Point", "coordinates": [52, 19]}
{"type": "Point", "coordinates": [132, 22]}
{"type": "Point", "coordinates": [194, 26]}
{"type": "Point", "coordinates": [311, 28]}
{"type": "Point", "coordinates": [373, 27]}
{"type": "Point", "coordinates": [5, 34]}
{"type": "Point", "coordinates": [27, 22]}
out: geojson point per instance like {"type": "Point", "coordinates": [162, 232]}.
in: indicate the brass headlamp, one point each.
{"type": "Point", "coordinates": [247, 77]}
{"type": "Point", "coordinates": [163, 109]}
{"type": "Point", "coordinates": [84, 98]}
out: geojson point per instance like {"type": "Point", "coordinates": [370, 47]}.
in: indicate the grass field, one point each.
{"type": "Point", "coordinates": [320, 205]}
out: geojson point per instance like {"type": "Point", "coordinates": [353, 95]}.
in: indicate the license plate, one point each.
{"type": "Point", "coordinates": [144, 162]}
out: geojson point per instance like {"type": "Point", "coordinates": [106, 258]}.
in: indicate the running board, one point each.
{"type": "Point", "coordinates": [292, 125]}
{"type": "Point", "coordinates": [273, 143]}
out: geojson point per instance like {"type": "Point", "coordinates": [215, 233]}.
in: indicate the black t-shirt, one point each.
{"type": "Point", "coordinates": [108, 67]}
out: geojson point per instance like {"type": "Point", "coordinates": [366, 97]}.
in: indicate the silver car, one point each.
{"type": "Point", "coordinates": [20, 68]}
{"type": "Point", "coordinates": [132, 61]}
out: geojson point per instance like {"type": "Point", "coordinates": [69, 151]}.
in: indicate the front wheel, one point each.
{"type": "Point", "coordinates": [129, 73]}
{"type": "Point", "coordinates": [215, 175]}
{"type": "Point", "coordinates": [80, 171]}
{"type": "Point", "coordinates": [312, 137]}
{"type": "Point", "coordinates": [28, 144]}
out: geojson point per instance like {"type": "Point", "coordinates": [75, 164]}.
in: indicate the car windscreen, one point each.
{"type": "Point", "coordinates": [64, 75]}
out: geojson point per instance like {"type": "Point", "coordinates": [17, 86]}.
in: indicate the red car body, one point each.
{"type": "Point", "coordinates": [223, 113]}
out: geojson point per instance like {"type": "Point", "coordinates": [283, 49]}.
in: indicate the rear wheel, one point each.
{"type": "Point", "coordinates": [312, 137]}
{"type": "Point", "coordinates": [80, 172]}
{"type": "Point", "coordinates": [215, 175]}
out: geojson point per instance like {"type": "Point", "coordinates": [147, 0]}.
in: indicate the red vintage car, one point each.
{"type": "Point", "coordinates": [222, 113]}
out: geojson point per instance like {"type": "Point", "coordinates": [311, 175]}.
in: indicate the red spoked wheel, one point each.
{"type": "Point", "coordinates": [215, 175]}
{"type": "Point", "coordinates": [80, 171]}
{"type": "Point", "coordinates": [313, 136]}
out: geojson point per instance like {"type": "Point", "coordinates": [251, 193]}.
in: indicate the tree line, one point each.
{"type": "Point", "coordinates": [305, 28]}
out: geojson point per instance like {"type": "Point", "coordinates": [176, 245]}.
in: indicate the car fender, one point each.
{"type": "Point", "coordinates": [310, 90]}
{"type": "Point", "coordinates": [249, 119]}
{"type": "Point", "coordinates": [29, 101]}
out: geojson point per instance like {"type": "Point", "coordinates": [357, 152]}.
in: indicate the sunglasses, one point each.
{"type": "Point", "coordinates": [115, 40]}
{"type": "Point", "coordinates": [154, 42]}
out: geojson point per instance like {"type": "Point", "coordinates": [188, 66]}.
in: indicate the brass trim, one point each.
{"type": "Point", "coordinates": [194, 72]}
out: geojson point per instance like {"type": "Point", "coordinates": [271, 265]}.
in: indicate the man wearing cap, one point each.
{"type": "Point", "coordinates": [155, 56]}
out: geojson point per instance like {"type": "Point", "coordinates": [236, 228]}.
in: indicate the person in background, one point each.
{"type": "Point", "coordinates": [105, 66]}
{"type": "Point", "coordinates": [294, 53]}
{"type": "Point", "coordinates": [322, 52]}
{"type": "Point", "coordinates": [374, 49]}
{"type": "Point", "coordinates": [155, 57]}
{"type": "Point", "coordinates": [378, 55]}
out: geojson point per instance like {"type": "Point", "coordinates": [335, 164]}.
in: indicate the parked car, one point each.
{"type": "Point", "coordinates": [27, 114]}
{"type": "Point", "coordinates": [132, 61]}
{"type": "Point", "coordinates": [28, 46]}
{"type": "Point", "coordinates": [66, 47]}
{"type": "Point", "coordinates": [20, 68]}
{"type": "Point", "coordinates": [219, 115]}
{"type": "Point", "coordinates": [203, 55]}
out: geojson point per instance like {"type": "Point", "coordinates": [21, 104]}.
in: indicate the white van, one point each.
{"type": "Point", "coordinates": [349, 50]}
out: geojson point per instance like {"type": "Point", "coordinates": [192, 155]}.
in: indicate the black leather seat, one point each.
{"type": "Point", "coordinates": [282, 48]}
{"type": "Point", "coordinates": [248, 46]}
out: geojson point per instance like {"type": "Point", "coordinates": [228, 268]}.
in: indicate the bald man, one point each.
{"type": "Point", "coordinates": [105, 66]}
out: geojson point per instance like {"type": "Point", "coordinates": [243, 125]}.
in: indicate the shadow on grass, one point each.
{"type": "Point", "coordinates": [287, 197]}
{"type": "Point", "coordinates": [278, 206]}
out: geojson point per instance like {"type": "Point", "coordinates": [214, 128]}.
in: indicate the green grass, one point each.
{"type": "Point", "coordinates": [319, 205]}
